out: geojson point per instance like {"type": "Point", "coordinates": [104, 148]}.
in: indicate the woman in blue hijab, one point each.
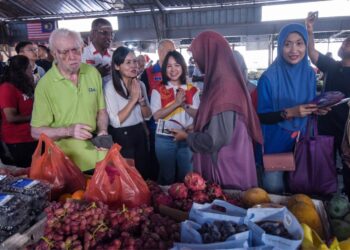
{"type": "Point", "coordinates": [285, 91]}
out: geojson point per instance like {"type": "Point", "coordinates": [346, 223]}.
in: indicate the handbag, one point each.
{"type": "Point", "coordinates": [315, 172]}
{"type": "Point", "coordinates": [279, 162]}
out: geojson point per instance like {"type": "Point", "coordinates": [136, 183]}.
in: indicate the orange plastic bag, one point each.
{"type": "Point", "coordinates": [49, 163]}
{"type": "Point", "coordinates": [117, 183]}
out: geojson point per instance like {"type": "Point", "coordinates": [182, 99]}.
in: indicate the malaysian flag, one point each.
{"type": "Point", "coordinates": [38, 31]}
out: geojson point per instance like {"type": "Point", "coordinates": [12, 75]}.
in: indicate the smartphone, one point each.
{"type": "Point", "coordinates": [313, 15]}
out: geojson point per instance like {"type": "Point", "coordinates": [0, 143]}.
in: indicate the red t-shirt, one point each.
{"type": "Point", "coordinates": [11, 97]}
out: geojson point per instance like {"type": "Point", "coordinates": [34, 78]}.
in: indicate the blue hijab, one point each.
{"type": "Point", "coordinates": [291, 84]}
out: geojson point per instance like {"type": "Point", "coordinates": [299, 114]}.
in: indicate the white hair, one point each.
{"type": "Point", "coordinates": [163, 42]}
{"type": "Point", "coordinates": [63, 33]}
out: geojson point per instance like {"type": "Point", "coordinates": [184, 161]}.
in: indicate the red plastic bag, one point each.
{"type": "Point", "coordinates": [117, 183]}
{"type": "Point", "coordinates": [49, 163]}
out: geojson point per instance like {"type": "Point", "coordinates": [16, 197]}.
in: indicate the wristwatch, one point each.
{"type": "Point", "coordinates": [284, 114]}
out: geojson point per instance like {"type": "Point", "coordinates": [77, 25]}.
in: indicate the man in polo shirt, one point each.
{"type": "Point", "coordinates": [69, 104]}
{"type": "Point", "coordinates": [97, 53]}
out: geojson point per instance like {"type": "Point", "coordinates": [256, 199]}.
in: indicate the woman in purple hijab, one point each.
{"type": "Point", "coordinates": [226, 124]}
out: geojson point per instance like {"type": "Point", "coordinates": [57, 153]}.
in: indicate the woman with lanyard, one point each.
{"type": "Point", "coordinates": [128, 107]}
{"type": "Point", "coordinates": [175, 101]}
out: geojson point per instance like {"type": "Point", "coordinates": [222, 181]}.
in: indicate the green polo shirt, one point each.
{"type": "Point", "coordinates": [58, 103]}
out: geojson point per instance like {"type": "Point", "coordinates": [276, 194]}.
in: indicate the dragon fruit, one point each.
{"type": "Point", "coordinates": [187, 205]}
{"type": "Point", "coordinates": [178, 191]}
{"type": "Point", "coordinates": [154, 188]}
{"type": "Point", "coordinates": [214, 191]}
{"type": "Point", "coordinates": [162, 199]}
{"type": "Point", "coordinates": [200, 197]}
{"type": "Point", "coordinates": [184, 205]}
{"type": "Point", "coordinates": [194, 182]}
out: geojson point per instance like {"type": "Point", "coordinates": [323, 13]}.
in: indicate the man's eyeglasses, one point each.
{"type": "Point", "coordinates": [65, 52]}
{"type": "Point", "coordinates": [32, 50]}
{"type": "Point", "coordinates": [105, 32]}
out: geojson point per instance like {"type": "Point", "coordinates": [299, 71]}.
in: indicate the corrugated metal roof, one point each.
{"type": "Point", "coordinates": [38, 9]}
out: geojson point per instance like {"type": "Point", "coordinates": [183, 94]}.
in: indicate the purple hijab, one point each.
{"type": "Point", "coordinates": [224, 86]}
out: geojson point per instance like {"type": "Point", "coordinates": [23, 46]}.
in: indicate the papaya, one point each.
{"type": "Point", "coordinates": [254, 196]}
{"type": "Point", "coordinates": [300, 197]}
{"type": "Point", "coordinates": [307, 214]}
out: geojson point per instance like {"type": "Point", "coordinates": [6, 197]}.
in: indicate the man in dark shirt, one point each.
{"type": "Point", "coordinates": [337, 78]}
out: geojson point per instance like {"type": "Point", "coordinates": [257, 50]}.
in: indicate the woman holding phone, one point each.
{"type": "Point", "coordinates": [285, 94]}
{"type": "Point", "coordinates": [174, 101]}
{"type": "Point", "coordinates": [128, 107]}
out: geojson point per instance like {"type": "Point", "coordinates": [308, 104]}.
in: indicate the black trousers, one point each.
{"type": "Point", "coordinates": [22, 153]}
{"type": "Point", "coordinates": [133, 140]}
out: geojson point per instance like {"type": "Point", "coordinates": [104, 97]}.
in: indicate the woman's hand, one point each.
{"type": "Point", "coordinates": [189, 128]}
{"type": "Point", "coordinates": [180, 97]}
{"type": "Point", "coordinates": [322, 111]}
{"type": "Point", "coordinates": [179, 134]}
{"type": "Point", "coordinates": [301, 110]}
{"type": "Point", "coordinates": [135, 92]}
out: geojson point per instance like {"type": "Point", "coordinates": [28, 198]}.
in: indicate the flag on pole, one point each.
{"type": "Point", "coordinates": [41, 30]}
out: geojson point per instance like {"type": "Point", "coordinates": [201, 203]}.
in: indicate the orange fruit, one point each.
{"type": "Point", "coordinates": [64, 197]}
{"type": "Point", "coordinates": [78, 195]}
{"type": "Point", "coordinates": [254, 196]}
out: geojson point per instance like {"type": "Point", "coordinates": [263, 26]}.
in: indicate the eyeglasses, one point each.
{"type": "Point", "coordinates": [32, 50]}
{"type": "Point", "coordinates": [105, 32]}
{"type": "Point", "coordinates": [65, 52]}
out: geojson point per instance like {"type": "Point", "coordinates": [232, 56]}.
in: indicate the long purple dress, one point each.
{"type": "Point", "coordinates": [235, 167]}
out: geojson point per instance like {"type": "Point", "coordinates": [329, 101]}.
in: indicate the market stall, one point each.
{"type": "Point", "coordinates": [194, 214]}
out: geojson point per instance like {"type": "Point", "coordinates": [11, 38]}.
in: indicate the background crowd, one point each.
{"type": "Point", "coordinates": [223, 126]}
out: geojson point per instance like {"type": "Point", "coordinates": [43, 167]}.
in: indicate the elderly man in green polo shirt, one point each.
{"type": "Point", "coordinates": [69, 104]}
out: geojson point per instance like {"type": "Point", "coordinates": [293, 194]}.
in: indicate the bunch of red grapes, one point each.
{"type": "Point", "coordinates": [77, 225]}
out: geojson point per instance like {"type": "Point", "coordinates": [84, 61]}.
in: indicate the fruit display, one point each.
{"type": "Point", "coordinates": [75, 223]}
{"type": "Point", "coordinates": [14, 211]}
{"type": "Point", "coordinates": [338, 209]}
{"type": "Point", "coordinates": [84, 225]}
{"type": "Point", "coordinates": [21, 200]}
{"type": "Point", "coordinates": [182, 195]}
{"type": "Point", "coordinates": [35, 192]}
{"type": "Point", "coordinates": [304, 210]}
{"type": "Point", "coordinates": [275, 228]}
{"type": "Point", "coordinates": [219, 231]}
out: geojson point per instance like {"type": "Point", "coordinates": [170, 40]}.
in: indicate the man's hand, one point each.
{"type": "Point", "coordinates": [103, 69]}
{"type": "Point", "coordinates": [310, 21]}
{"type": "Point", "coordinates": [102, 132]}
{"type": "Point", "coordinates": [80, 131]}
